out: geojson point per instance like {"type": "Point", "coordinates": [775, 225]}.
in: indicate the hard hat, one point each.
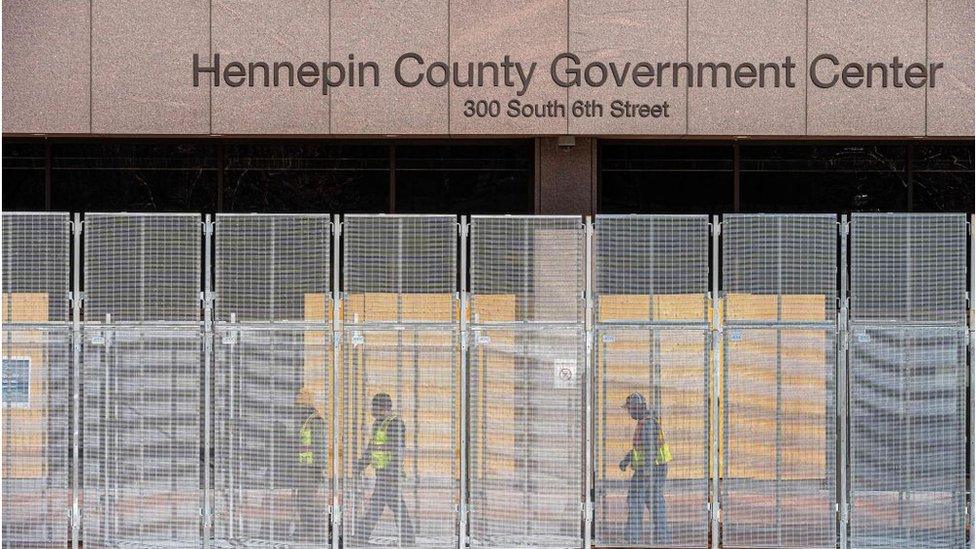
{"type": "Point", "coordinates": [635, 399]}
{"type": "Point", "coordinates": [382, 400]}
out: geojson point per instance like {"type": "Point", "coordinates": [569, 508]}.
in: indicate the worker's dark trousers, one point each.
{"type": "Point", "coordinates": [647, 490]}
{"type": "Point", "coordinates": [386, 494]}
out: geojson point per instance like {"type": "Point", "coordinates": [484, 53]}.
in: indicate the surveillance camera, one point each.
{"type": "Point", "coordinates": [566, 142]}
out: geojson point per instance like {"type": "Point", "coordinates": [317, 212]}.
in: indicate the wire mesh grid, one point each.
{"type": "Point", "coordinates": [908, 268]}
{"type": "Point", "coordinates": [272, 268]}
{"type": "Point", "coordinates": [400, 268]}
{"type": "Point", "coordinates": [36, 379]}
{"type": "Point", "coordinates": [272, 383]}
{"type": "Point", "coordinates": [908, 437]}
{"type": "Point", "coordinates": [527, 269]}
{"type": "Point", "coordinates": [525, 441]}
{"type": "Point", "coordinates": [36, 249]}
{"type": "Point", "coordinates": [142, 267]}
{"type": "Point", "coordinates": [779, 268]}
{"type": "Point", "coordinates": [399, 439]}
{"type": "Point", "coordinates": [778, 479]}
{"type": "Point", "coordinates": [657, 502]}
{"type": "Point", "coordinates": [272, 437]}
{"type": "Point", "coordinates": [142, 429]}
{"type": "Point", "coordinates": [36, 436]}
{"type": "Point", "coordinates": [651, 268]}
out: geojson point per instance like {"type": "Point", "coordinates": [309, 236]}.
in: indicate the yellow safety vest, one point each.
{"type": "Point", "coordinates": [663, 452]}
{"type": "Point", "coordinates": [306, 455]}
{"type": "Point", "coordinates": [378, 458]}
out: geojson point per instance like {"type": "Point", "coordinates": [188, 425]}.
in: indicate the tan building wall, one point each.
{"type": "Point", "coordinates": [124, 66]}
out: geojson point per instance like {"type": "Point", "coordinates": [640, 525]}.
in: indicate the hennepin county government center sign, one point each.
{"type": "Point", "coordinates": [566, 70]}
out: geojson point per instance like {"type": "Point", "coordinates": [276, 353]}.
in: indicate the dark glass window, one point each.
{"type": "Point", "coordinates": [465, 177]}
{"type": "Point", "coordinates": [810, 177]}
{"type": "Point", "coordinates": [134, 176]}
{"type": "Point", "coordinates": [23, 175]}
{"type": "Point", "coordinates": [942, 176]}
{"type": "Point", "coordinates": [653, 177]}
{"type": "Point", "coordinates": [307, 176]}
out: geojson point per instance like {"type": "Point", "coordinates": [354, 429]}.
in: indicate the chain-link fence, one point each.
{"type": "Point", "coordinates": [37, 378]}
{"type": "Point", "coordinates": [908, 380]}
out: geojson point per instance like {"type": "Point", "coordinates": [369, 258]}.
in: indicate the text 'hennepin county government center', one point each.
{"type": "Point", "coordinates": [488, 274]}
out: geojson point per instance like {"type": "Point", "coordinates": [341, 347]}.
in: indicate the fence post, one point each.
{"type": "Point", "coordinates": [76, 341]}
{"type": "Point", "coordinates": [841, 396]}
{"type": "Point", "coordinates": [463, 386]}
{"type": "Point", "coordinates": [208, 230]}
{"type": "Point", "coordinates": [588, 388]}
{"type": "Point", "coordinates": [972, 376]}
{"type": "Point", "coordinates": [716, 335]}
{"type": "Point", "coordinates": [336, 515]}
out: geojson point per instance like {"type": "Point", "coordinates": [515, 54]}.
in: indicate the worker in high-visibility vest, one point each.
{"type": "Point", "coordinates": [384, 454]}
{"type": "Point", "coordinates": [648, 458]}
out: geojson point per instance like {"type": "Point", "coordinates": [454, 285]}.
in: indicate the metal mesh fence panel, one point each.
{"type": "Point", "coordinates": [273, 267]}
{"type": "Point", "coordinates": [779, 268]}
{"type": "Point", "coordinates": [908, 380]}
{"type": "Point", "coordinates": [526, 386]}
{"type": "Point", "coordinates": [651, 268]}
{"type": "Point", "coordinates": [654, 505]}
{"type": "Point", "coordinates": [908, 268]}
{"type": "Point", "coordinates": [400, 268]}
{"type": "Point", "coordinates": [142, 429]}
{"type": "Point", "coordinates": [272, 381]}
{"type": "Point", "coordinates": [908, 437]}
{"type": "Point", "coordinates": [36, 380]}
{"type": "Point", "coordinates": [142, 267]}
{"type": "Point", "coordinates": [272, 435]}
{"type": "Point", "coordinates": [779, 484]}
{"type": "Point", "coordinates": [400, 381]}
{"type": "Point", "coordinates": [35, 267]}
{"type": "Point", "coordinates": [778, 476]}
{"type": "Point", "coordinates": [525, 437]}
{"type": "Point", "coordinates": [399, 438]}
{"type": "Point", "coordinates": [142, 381]}
{"type": "Point", "coordinates": [651, 283]}
{"type": "Point", "coordinates": [527, 269]}
{"type": "Point", "coordinates": [36, 441]}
